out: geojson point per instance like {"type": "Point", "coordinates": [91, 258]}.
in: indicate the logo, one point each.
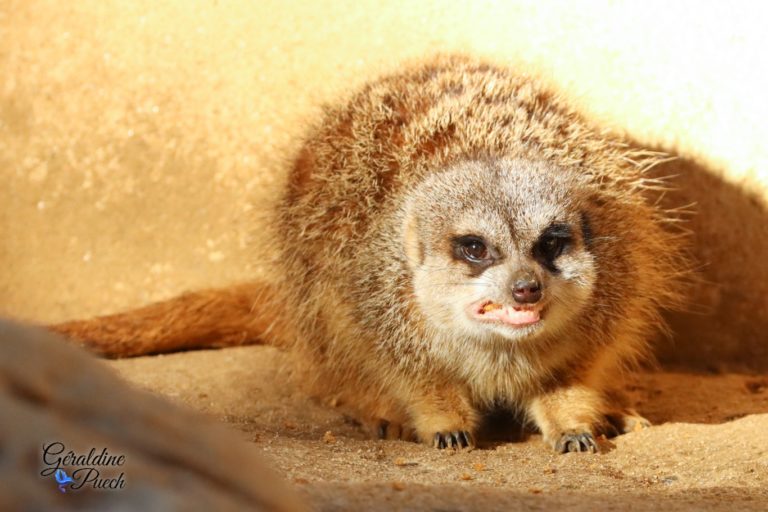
{"type": "Point", "coordinates": [74, 471]}
{"type": "Point", "coordinates": [63, 479]}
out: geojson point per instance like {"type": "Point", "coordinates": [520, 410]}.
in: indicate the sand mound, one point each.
{"type": "Point", "coordinates": [708, 450]}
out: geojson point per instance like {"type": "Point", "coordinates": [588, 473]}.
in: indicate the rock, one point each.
{"type": "Point", "coordinates": [157, 456]}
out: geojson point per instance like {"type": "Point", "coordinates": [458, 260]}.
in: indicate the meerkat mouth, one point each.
{"type": "Point", "coordinates": [515, 315]}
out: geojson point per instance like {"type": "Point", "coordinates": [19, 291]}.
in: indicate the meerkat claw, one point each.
{"type": "Point", "coordinates": [466, 439]}
{"type": "Point", "coordinates": [571, 442]}
{"type": "Point", "coordinates": [456, 440]}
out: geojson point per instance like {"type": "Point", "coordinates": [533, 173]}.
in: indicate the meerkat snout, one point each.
{"type": "Point", "coordinates": [526, 289]}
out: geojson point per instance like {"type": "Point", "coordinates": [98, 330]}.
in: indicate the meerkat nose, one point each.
{"type": "Point", "coordinates": [526, 291]}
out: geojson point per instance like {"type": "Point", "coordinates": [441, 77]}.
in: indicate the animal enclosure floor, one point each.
{"type": "Point", "coordinates": [707, 451]}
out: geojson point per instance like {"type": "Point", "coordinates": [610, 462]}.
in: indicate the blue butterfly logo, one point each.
{"type": "Point", "coordinates": [63, 479]}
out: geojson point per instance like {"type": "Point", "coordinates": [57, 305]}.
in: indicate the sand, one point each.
{"type": "Point", "coordinates": [707, 450]}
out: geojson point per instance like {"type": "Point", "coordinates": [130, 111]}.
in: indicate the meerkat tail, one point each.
{"type": "Point", "coordinates": [233, 316]}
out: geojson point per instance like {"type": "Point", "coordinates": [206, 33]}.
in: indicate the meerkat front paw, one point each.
{"type": "Point", "coordinates": [456, 440]}
{"type": "Point", "coordinates": [568, 417]}
{"type": "Point", "coordinates": [573, 441]}
{"type": "Point", "coordinates": [444, 417]}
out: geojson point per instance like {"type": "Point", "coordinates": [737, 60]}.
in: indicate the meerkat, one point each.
{"type": "Point", "coordinates": [453, 238]}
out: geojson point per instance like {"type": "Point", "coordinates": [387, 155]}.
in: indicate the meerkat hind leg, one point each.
{"type": "Point", "coordinates": [621, 418]}
{"type": "Point", "coordinates": [383, 418]}
{"type": "Point", "coordinates": [624, 422]}
{"type": "Point", "coordinates": [391, 430]}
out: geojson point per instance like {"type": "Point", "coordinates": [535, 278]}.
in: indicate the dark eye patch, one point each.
{"type": "Point", "coordinates": [551, 243]}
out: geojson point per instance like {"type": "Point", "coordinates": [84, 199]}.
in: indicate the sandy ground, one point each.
{"type": "Point", "coordinates": [708, 449]}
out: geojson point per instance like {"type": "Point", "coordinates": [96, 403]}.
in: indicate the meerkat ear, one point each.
{"type": "Point", "coordinates": [412, 243]}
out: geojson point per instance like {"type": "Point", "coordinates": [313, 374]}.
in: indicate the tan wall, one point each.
{"type": "Point", "coordinates": [141, 142]}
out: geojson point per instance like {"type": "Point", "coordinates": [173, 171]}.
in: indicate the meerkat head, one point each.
{"type": "Point", "coordinates": [500, 249]}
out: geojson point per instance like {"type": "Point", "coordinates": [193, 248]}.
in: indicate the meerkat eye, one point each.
{"type": "Point", "coordinates": [552, 247]}
{"type": "Point", "coordinates": [475, 250]}
{"type": "Point", "coordinates": [552, 242]}
{"type": "Point", "coordinates": [472, 249]}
